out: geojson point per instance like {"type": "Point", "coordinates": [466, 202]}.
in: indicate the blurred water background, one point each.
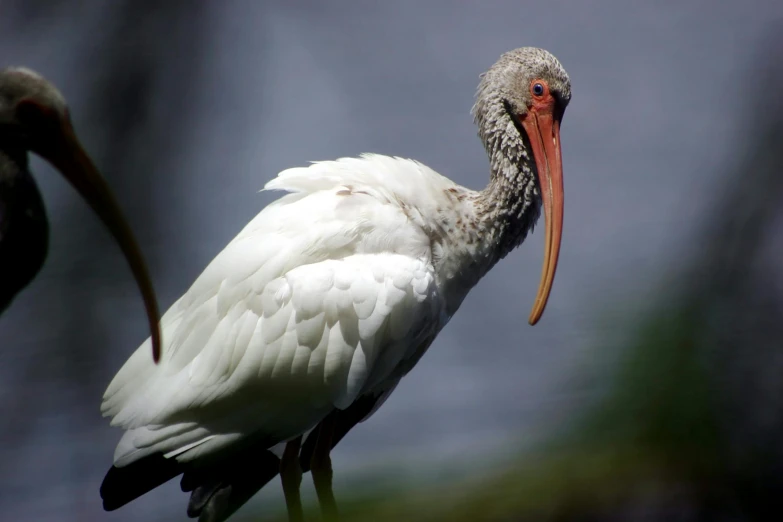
{"type": "Point", "coordinates": [650, 390]}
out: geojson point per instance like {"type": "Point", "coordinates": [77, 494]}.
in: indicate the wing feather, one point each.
{"type": "Point", "coordinates": [315, 302]}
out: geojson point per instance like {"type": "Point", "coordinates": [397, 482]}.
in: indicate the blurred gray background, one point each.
{"type": "Point", "coordinates": [188, 108]}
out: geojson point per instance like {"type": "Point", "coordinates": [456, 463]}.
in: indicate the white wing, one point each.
{"type": "Point", "coordinates": [323, 296]}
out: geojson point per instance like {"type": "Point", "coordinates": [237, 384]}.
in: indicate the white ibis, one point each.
{"type": "Point", "coordinates": [34, 117]}
{"type": "Point", "coordinates": [306, 322]}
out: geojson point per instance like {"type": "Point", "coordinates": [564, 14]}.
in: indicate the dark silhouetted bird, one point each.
{"type": "Point", "coordinates": [34, 117]}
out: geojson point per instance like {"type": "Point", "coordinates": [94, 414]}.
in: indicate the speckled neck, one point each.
{"type": "Point", "coordinates": [500, 215]}
{"type": "Point", "coordinates": [510, 204]}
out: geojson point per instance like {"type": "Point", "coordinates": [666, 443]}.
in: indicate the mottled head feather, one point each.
{"type": "Point", "coordinates": [509, 79]}
{"type": "Point", "coordinates": [502, 99]}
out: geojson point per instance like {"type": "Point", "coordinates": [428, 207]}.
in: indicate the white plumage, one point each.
{"type": "Point", "coordinates": [323, 296]}
{"type": "Point", "coordinates": [310, 317]}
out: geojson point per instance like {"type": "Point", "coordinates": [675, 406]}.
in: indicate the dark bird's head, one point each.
{"type": "Point", "coordinates": [34, 117]}
{"type": "Point", "coordinates": [33, 114]}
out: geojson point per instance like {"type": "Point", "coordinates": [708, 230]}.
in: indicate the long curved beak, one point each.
{"type": "Point", "coordinates": [73, 162]}
{"type": "Point", "coordinates": [543, 131]}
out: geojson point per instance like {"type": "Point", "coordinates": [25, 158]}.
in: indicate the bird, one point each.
{"type": "Point", "coordinates": [305, 323]}
{"type": "Point", "coordinates": [34, 117]}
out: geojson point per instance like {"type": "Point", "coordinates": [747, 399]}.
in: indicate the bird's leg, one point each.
{"type": "Point", "coordinates": [321, 468]}
{"type": "Point", "coordinates": [291, 476]}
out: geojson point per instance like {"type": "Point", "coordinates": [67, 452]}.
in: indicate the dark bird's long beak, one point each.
{"type": "Point", "coordinates": [68, 156]}
{"type": "Point", "coordinates": [543, 130]}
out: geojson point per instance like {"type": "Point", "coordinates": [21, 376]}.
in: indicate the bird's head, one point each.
{"type": "Point", "coordinates": [33, 113]}
{"type": "Point", "coordinates": [519, 106]}
{"type": "Point", "coordinates": [34, 117]}
{"type": "Point", "coordinates": [530, 80]}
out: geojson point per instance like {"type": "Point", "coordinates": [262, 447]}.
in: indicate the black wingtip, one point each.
{"type": "Point", "coordinates": [217, 492]}
{"type": "Point", "coordinates": [219, 488]}
{"type": "Point", "coordinates": [122, 485]}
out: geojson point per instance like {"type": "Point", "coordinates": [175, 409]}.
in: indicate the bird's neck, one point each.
{"type": "Point", "coordinates": [14, 160]}
{"type": "Point", "coordinates": [510, 204]}
{"type": "Point", "coordinates": [24, 230]}
{"type": "Point", "coordinates": [500, 215]}
{"type": "Point", "coordinates": [506, 210]}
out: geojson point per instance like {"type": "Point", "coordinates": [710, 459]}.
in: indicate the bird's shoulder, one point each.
{"type": "Point", "coordinates": [389, 179]}
{"type": "Point", "coordinates": [368, 205]}
{"type": "Point", "coordinates": [336, 286]}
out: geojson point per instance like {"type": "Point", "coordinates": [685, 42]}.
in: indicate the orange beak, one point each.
{"type": "Point", "coordinates": [68, 156]}
{"type": "Point", "coordinates": [543, 131]}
